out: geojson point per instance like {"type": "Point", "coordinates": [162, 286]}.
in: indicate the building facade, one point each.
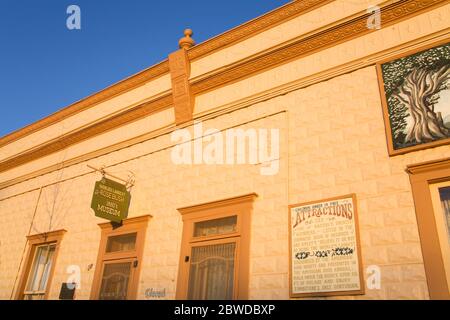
{"type": "Point", "coordinates": [304, 153]}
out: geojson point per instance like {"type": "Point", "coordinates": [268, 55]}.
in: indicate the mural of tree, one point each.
{"type": "Point", "coordinates": [412, 85]}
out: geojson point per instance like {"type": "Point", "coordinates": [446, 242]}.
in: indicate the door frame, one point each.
{"type": "Point", "coordinates": [115, 261]}
{"type": "Point", "coordinates": [422, 176]}
{"type": "Point", "coordinates": [204, 243]}
{"type": "Point", "coordinates": [133, 225]}
{"type": "Point", "coordinates": [242, 207]}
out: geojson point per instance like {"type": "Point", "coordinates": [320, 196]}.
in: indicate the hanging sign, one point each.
{"type": "Point", "coordinates": [110, 200]}
{"type": "Point", "coordinates": [324, 248]}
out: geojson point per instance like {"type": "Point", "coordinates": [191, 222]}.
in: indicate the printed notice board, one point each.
{"type": "Point", "coordinates": [325, 257]}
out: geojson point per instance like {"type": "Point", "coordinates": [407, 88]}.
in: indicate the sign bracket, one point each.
{"type": "Point", "coordinates": [129, 182]}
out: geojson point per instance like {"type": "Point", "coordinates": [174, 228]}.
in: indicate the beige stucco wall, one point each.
{"type": "Point", "coordinates": [336, 146]}
{"type": "Point", "coordinates": [332, 142]}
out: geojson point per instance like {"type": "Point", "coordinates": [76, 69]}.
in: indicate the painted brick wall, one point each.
{"type": "Point", "coordinates": [338, 146]}
{"type": "Point", "coordinates": [332, 143]}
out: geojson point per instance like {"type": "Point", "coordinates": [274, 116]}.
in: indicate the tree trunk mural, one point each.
{"type": "Point", "coordinates": [419, 92]}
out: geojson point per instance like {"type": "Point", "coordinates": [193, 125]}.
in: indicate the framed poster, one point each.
{"type": "Point", "coordinates": [415, 94]}
{"type": "Point", "coordinates": [325, 254]}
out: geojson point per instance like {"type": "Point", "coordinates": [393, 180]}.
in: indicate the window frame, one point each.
{"type": "Point", "coordinates": [35, 241]}
{"type": "Point", "coordinates": [236, 233]}
{"type": "Point", "coordinates": [110, 254]}
{"type": "Point", "coordinates": [242, 207]}
{"type": "Point", "coordinates": [136, 225]}
{"type": "Point", "coordinates": [33, 265]}
{"type": "Point", "coordinates": [422, 176]}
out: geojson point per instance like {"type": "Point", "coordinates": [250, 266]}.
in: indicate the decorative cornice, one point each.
{"type": "Point", "coordinates": [339, 32]}
{"type": "Point", "coordinates": [140, 219]}
{"type": "Point", "coordinates": [315, 41]}
{"type": "Point", "coordinates": [232, 36]}
{"type": "Point", "coordinates": [116, 89]}
{"type": "Point", "coordinates": [217, 204]}
{"type": "Point", "coordinates": [51, 235]}
{"type": "Point", "coordinates": [298, 84]}
{"type": "Point", "coordinates": [428, 166]}
{"type": "Point", "coordinates": [103, 126]}
{"type": "Point", "coordinates": [255, 26]}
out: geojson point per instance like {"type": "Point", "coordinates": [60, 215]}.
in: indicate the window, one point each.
{"type": "Point", "coordinates": [126, 242]}
{"type": "Point", "coordinates": [440, 196]}
{"type": "Point", "coordinates": [214, 262]}
{"type": "Point", "coordinates": [38, 279]}
{"type": "Point", "coordinates": [117, 271]}
{"type": "Point", "coordinates": [215, 227]}
{"type": "Point", "coordinates": [39, 265]}
{"type": "Point", "coordinates": [430, 183]}
{"type": "Point", "coordinates": [444, 200]}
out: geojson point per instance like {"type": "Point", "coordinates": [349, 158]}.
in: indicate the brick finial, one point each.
{"type": "Point", "coordinates": [186, 42]}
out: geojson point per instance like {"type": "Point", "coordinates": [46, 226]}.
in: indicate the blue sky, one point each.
{"type": "Point", "coordinates": [45, 67]}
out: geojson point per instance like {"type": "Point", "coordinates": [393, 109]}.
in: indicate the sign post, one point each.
{"type": "Point", "coordinates": [110, 200]}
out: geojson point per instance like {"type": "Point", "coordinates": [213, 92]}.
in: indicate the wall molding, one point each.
{"type": "Point", "coordinates": [217, 204]}
{"type": "Point", "coordinates": [119, 88]}
{"type": "Point", "coordinates": [233, 36]}
{"type": "Point", "coordinates": [243, 103]}
{"type": "Point", "coordinates": [317, 40]}
{"type": "Point", "coordinates": [46, 235]}
{"type": "Point", "coordinates": [301, 83]}
{"type": "Point", "coordinates": [102, 126]}
{"type": "Point", "coordinates": [308, 44]}
{"type": "Point", "coordinates": [126, 222]}
{"type": "Point", "coordinates": [326, 74]}
{"type": "Point", "coordinates": [428, 166]}
{"type": "Point", "coordinates": [253, 27]}
{"type": "Point", "coordinates": [343, 31]}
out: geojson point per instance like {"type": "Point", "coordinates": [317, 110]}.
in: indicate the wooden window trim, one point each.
{"type": "Point", "coordinates": [220, 214]}
{"type": "Point", "coordinates": [35, 241]}
{"type": "Point", "coordinates": [421, 176]}
{"type": "Point", "coordinates": [108, 229]}
{"type": "Point", "coordinates": [242, 207]}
